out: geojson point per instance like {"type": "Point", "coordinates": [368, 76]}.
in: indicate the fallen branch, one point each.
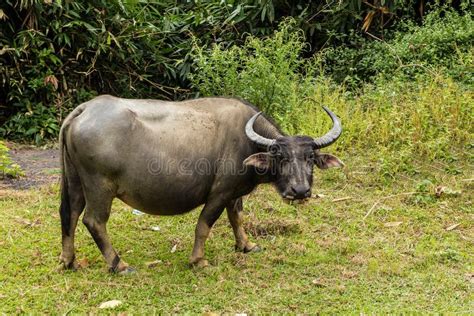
{"type": "Point", "coordinates": [386, 198]}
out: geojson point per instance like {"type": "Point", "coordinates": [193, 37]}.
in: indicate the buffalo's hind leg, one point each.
{"type": "Point", "coordinates": [68, 226]}
{"type": "Point", "coordinates": [235, 215]}
{"type": "Point", "coordinates": [72, 206]}
{"type": "Point", "coordinates": [98, 205]}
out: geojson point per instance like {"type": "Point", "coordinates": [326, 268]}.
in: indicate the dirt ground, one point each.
{"type": "Point", "coordinates": [41, 166]}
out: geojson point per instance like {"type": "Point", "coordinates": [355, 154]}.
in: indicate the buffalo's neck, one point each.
{"type": "Point", "coordinates": [267, 177]}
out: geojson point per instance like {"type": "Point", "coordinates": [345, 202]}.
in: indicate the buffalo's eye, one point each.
{"type": "Point", "coordinates": [310, 156]}
{"type": "Point", "coordinates": [275, 150]}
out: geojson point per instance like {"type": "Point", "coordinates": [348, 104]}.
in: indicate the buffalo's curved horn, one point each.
{"type": "Point", "coordinates": [333, 134]}
{"type": "Point", "coordinates": [253, 136]}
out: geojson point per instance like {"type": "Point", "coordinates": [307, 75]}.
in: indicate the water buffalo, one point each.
{"type": "Point", "coordinates": [167, 158]}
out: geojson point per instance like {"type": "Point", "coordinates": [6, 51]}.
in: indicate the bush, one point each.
{"type": "Point", "coordinates": [57, 54]}
{"type": "Point", "coordinates": [267, 72]}
{"type": "Point", "coordinates": [443, 43]}
{"type": "Point", "coordinates": [36, 125]}
{"type": "Point", "coordinates": [7, 167]}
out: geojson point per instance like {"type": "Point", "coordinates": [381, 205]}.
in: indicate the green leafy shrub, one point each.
{"type": "Point", "coordinates": [425, 193]}
{"type": "Point", "coordinates": [36, 125]}
{"type": "Point", "coordinates": [7, 167]}
{"type": "Point", "coordinates": [57, 54]}
{"type": "Point", "coordinates": [444, 42]}
{"type": "Point", "coordinates": [267, 72]}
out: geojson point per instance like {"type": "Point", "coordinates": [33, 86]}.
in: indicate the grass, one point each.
{"type": "Point", "coordinates": [322, 256]}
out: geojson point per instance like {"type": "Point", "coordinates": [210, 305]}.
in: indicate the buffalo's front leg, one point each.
{"type": "Point", "coordinates": [208, 217]}
{"type": "Point", "coordinates": [234, 212]}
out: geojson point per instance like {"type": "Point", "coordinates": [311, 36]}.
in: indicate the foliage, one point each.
{"type": "Point", "coordinates": [444, 42]}
{"type": "Point", "coordinates": [58, 54]}
{"type": "Point", "coordinates": [36, 125]}
{"type": "Point", "coordinates": [7, 167]}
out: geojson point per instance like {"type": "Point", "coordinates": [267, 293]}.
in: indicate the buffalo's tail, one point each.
{"type": "Point", "coordinates": [67, 170]}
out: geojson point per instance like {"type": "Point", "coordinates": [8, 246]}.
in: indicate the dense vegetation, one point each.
{"type": "Point", "coordinates": [56, 54]}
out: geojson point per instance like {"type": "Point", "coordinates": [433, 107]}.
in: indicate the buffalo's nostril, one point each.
{"type": "Point", "coordinates": [301, 191]}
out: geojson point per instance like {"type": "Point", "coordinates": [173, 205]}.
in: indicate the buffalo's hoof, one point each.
{"type": "Point", "coordinates": [200, 263]}
{"type": "Point", "coordinates": [250, 247]}
{"type": "Point", "coordinates": [255, 248]}
{"type": "Point", "coordinates": [67, 264]}
{"type": "Point", "coordinates": [73, 266]}
{"type": "Point", "coordinates": [123, 270]}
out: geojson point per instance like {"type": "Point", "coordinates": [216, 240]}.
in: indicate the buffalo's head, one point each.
{"type": "Point", "coordinates": [289, 160]}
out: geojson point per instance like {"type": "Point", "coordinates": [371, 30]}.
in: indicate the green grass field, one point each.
{"type": "Point", "coordinates": [328, 255]}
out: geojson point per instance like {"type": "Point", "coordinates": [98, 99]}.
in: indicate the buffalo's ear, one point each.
{"type": "Point", "coordinates": [326, 161]}
{"type": "Point", "coordinates": [259, 160]}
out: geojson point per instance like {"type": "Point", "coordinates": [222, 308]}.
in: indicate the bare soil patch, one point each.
{"type": "Point", "coordinates": [41, 167]}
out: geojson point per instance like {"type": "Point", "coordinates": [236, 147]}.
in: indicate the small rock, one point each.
{"type": "Point", "coordinates": [155, 228]}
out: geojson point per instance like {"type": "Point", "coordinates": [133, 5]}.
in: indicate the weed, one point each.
{"type": "Point", "coordinates": [7, 166]}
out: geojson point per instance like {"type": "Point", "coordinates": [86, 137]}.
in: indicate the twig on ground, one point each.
{"type": "Point", "coordinates": [386, 198]}
{"type": "Point", "coordinates": [342, 199]}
